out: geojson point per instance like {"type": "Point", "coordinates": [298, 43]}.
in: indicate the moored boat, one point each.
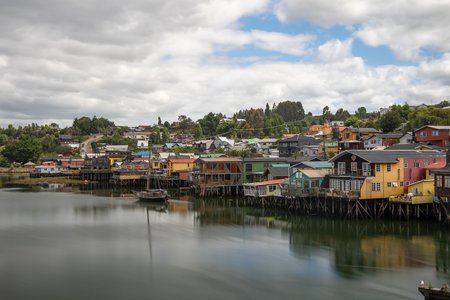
{"type": "Point", "coordinates": [430, 293]}
{"type": "Point", "coordinates": [153, 195]}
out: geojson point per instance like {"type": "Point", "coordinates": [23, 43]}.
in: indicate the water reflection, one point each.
{"type": "Point", "coordinates": [94, 247]}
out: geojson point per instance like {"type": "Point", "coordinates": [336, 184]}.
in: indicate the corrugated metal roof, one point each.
{"type": "Point", "coordinates": [278, 171]}
{"type": "Point", "coordinates": [317, 164]}
{"type": "Point", "coordinates": [302, 139]}
{"type": "Point", "coordinates": [362, 130]}
{"type": "Point", "coordinates": [435, 127]}
{"type": "Point", "coordinates": [413, 146]}
{"type": "Point", "coordinates": [315, 173]}
{"type": "Point", "coordinates": [384, 156]}
{"type": "Point", "coordinates": [269, 182]}
{"type": "Point", "coordinates": [221, 159]}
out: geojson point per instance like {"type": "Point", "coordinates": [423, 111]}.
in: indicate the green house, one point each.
{"type": "Point", "coordinates": [254, 167]}
{"type": "Point", "coordinates": [308, 179]}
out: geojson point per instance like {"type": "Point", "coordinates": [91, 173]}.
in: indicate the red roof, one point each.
{"type": "Point", "coordinates": [271, 182]}
{"type": "Point", "coordinates": [436, 165]}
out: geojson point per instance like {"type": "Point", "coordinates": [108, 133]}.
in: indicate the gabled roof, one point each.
{"type": "Point", "coordinates": [278, 171]}
{"type": "Point", "coordinates": [362, 130]}
{"type": "Point", "coordinates": [387, 136]}
{"type": "Point", "coordinates": [315, 164]}
{"type": "Point", "coordinates": [434, 127]}
{"type": "Point", "coordinates": [383, 156]}
{"type": "Point", "coordinates": [301, 139]}
{"type": "Point", "coordinates": [319, 173]}
{"type": "Point", "coordinates": [413, 146]}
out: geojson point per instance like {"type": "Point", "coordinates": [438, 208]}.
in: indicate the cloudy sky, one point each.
{"type": "Point", "coordinates": [132, 61]}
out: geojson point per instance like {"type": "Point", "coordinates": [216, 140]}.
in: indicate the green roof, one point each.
{"type": "Point", "coordinates": [317, 164]}
{"type": "Point", "coordinates": [253, 141]}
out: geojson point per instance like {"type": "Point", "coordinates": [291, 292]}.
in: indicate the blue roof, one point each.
{"type": "Point", "coordinates": [143, 153]}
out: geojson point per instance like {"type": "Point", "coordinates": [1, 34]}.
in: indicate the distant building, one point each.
{"type": "Point", "coordinates": [437, 135]}
{"type": "Point", "coordinates": [352, 138]}
{"type": "Point", "coordinates": [386, 139]}
{"type": "Point", "coordinates": [294, 145]}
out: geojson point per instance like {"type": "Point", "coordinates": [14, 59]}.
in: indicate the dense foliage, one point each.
{"type": "Point", "coordinates": [30, 142]}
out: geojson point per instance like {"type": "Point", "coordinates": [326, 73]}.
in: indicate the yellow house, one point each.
{"type": "Point", "coordinates": [421, 191]}
{"type": "Point", "coordinates": [175, 166]}
{"type": "Point", "coordinates": [156, 164]}
{"type": "Point", "coordinates": [374, 174]}
{"type": "Point", "coordinates": [387, 180]}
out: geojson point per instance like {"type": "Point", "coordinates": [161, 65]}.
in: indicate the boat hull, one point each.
{"type": "Point", "coordinates": [434, 294]}
{"type": "Point", "coordinates": [153, 195]}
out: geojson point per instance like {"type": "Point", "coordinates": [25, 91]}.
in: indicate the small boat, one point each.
{"type": "Point", "coordinates": [153, 195]}
{"type": "Point", "coordinates": [430, 293]}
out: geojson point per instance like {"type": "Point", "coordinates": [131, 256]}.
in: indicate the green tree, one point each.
{"type": "Point", "coordinates": [389, 121]}
{"type": "Point", "coordinates": [361, 112]}
{"type": "Point", "coordinates": [341, 115]}
{"type": "Point", "coordinates": [165, 136]}
{"type": "Point", "coordinates": [353, 121]}
{"type": "Point", "coordinates": [23, 150]}
{"type": "Point", "coordinates": [254, 122]}
{"type": "Point", "coordinates": [290, 111]}
{"type": "Point", "coordinates": [49, 142]}
{"type": "Point", "coordinates": [209, 123]}
{"type": "Point", "coordinates": [198, 132]}
{"type": "Point", "coordinates": [326, 114]}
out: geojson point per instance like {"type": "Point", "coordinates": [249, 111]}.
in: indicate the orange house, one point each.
{"type": "Point", "coordinates": [179, 165]}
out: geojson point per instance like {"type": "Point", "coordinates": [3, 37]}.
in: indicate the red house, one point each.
{"type": "Point", "coordinates": [415, 168]}
{"type": "Point", "coordinates": [436, 135]}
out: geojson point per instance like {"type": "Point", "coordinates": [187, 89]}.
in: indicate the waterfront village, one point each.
{"type": "Point", "coordinates": [329, 161]}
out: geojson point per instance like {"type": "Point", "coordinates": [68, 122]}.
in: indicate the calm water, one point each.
{"type": "Point", "coordinates": [57, 245]}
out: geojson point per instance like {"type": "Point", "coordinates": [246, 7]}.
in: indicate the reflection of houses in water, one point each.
{"type": "Point", "coordinates": [179, 206]}
{"type": "Point", "coordinates": [394, 252]}
{"type": "Point", "coordinates": [367, 247]}
{"type": "Point", "coordinates": [220, 213]}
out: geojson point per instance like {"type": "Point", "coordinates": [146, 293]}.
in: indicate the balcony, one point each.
{"type": "Point", "coordinates": [357, 173]}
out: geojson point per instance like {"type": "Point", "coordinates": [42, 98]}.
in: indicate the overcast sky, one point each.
{"type": "Point", "coordinates": [132, 61]}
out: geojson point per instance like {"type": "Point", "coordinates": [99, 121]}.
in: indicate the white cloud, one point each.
{"type": "Point", "coordinates": [283, 43]}
{"type": "Point", "coordinates": [133, 61]}
{"type": "Point", "coordinates": [335, 50]}
{"type": "Point", "coordinates": [404, 26]}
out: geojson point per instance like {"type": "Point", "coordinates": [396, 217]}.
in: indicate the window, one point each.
{"type": "Point", "coordinates": [377, 168]}
{"type": "Point", "coordinates": [389, 184]}
{"type": "Point", "coordinates": [366, 169]}
{"type": "Point", "coordinates": [347, 135]}
{"type": "Point", "coordinates": [416, 164]}
{"type": "Point", "coordinates": [401, 183]}
{"type": "Point", "coordinates": [423, 133]}
{"type": "Point", "coordinates": [248, 167]}
{"type": "Point", "coordinates": [435, 133]}
{"type": "Point", "coordinates": [447, 181]}
{"type": "Point", "coordinates": [376, 187]}
{"type": "Point", "coordinates": [354, 166]}
{"type": "Point", "coordinates": [405, 165]}
{"type": "Point", "coordinates": [341, 168]}
{"type": "Point", "coordinates": [439, 181]}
